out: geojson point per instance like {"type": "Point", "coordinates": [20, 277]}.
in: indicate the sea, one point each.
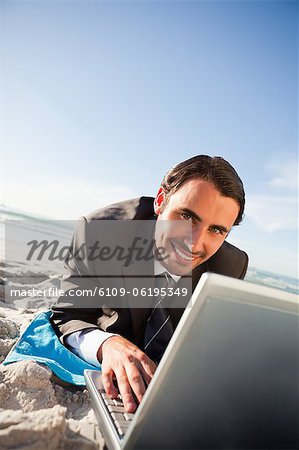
{"type": "Point", "coordinates": [16, 227]}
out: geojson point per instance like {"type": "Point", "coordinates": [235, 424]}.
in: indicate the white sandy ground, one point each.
{"type": "Point", "coordinates": [37, 411]}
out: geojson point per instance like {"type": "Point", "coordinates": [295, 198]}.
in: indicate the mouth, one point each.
{"type": "Point", "coordinates": [183, 255]}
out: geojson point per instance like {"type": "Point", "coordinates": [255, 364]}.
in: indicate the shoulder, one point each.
{"type": "Point", "coordinates": [87, 227]}
{"type": "Point", "coordinates": [140, 208]}
{"type": "Point", "coordinates": [229, 260]}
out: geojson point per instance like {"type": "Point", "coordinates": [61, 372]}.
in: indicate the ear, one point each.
{"type": "Point", "coordinates": [160, 197]}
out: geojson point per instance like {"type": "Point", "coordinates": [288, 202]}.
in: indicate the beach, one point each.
{"type": "Point", "coordinates": [37, 410]}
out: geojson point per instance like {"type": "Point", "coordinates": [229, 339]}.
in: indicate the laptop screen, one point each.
{"type": "Point", "coordinates": [233, 382]}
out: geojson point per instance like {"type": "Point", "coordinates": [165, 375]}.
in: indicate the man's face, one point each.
{"type": "Point", "coordinates": [209, 214]}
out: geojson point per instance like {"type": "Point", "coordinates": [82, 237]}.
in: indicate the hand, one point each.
{"type": "Point", "coordinates": [132, 368]}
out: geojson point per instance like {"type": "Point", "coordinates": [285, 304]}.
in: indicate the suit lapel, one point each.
{"type": "Point", "coordinates": [140, 275]}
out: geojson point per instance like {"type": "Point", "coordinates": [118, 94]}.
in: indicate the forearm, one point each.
{"type": "Point", "coordinates": [86, 344]}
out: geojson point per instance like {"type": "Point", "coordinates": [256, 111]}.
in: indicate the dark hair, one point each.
{"type": "Point", "coordinates": [213, 169]}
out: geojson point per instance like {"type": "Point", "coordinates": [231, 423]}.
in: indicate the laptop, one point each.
{"type": "Point", "coordinates": [228, 378]}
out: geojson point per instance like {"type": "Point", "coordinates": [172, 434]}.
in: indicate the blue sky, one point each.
{"type": "Point", "coordinates": [101, 98]}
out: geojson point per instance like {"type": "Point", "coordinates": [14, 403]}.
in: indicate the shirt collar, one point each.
{"type": "Point", "coordinates": [158, 269]}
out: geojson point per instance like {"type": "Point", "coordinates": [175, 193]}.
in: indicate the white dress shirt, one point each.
{"type": "Point", "coordinates": [86, 343]}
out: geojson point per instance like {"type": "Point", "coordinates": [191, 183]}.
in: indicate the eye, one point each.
{"type": "Point", "coordinates": [216, 230]}
{"type": "Point", "coordinates": [186, 216]}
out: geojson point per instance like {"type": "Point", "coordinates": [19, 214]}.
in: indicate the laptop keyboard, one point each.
{"type": "Point", "coordinates": [119, 416]}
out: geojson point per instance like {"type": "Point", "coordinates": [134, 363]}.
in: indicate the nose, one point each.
{"type": "Point", "coordinates": [198, 241]}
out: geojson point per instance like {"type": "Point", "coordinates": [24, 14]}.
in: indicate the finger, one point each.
{"type": "Point", "coordinates": [125, 390]}
{"type": "Point", "coordinates": [147, 372]}
{"type": "Point", "coordinates": [107, 380]}
{"type": "Point", "coordinates": [135, 378]}
{"type": "Point", "coordinates": [147, 367]}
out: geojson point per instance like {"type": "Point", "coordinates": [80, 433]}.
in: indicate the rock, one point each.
{"type": "Point", "coordinates": [29, 386]}
{"type": "Point", "coordinates": [9, 332]}
{"type": "Point", "coordinates": [8, 329]}
{"type": "Point", "coordinates": [34, 430]}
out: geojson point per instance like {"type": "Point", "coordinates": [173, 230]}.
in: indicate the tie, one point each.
{"type": "Point", "coordinates": [159, 328]}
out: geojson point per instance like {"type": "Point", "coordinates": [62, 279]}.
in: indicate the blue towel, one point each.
{"type": "Point", "coordinates": [40, 343]}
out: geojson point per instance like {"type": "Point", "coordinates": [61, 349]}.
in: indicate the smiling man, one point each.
{"type": "Point", "coordinates": [212, 216]}
{"type": "Point", "coordinates": [199, 200]}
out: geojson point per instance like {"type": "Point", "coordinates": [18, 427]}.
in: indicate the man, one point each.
{"type": "Point", "coordinates": [203, 192]}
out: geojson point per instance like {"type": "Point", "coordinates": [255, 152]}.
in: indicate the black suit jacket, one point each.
{"type": "Point", "coordinates": [123, 315]}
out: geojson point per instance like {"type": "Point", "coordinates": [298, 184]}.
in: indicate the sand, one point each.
{"type": "Point", "coordinates": [37, 410]}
